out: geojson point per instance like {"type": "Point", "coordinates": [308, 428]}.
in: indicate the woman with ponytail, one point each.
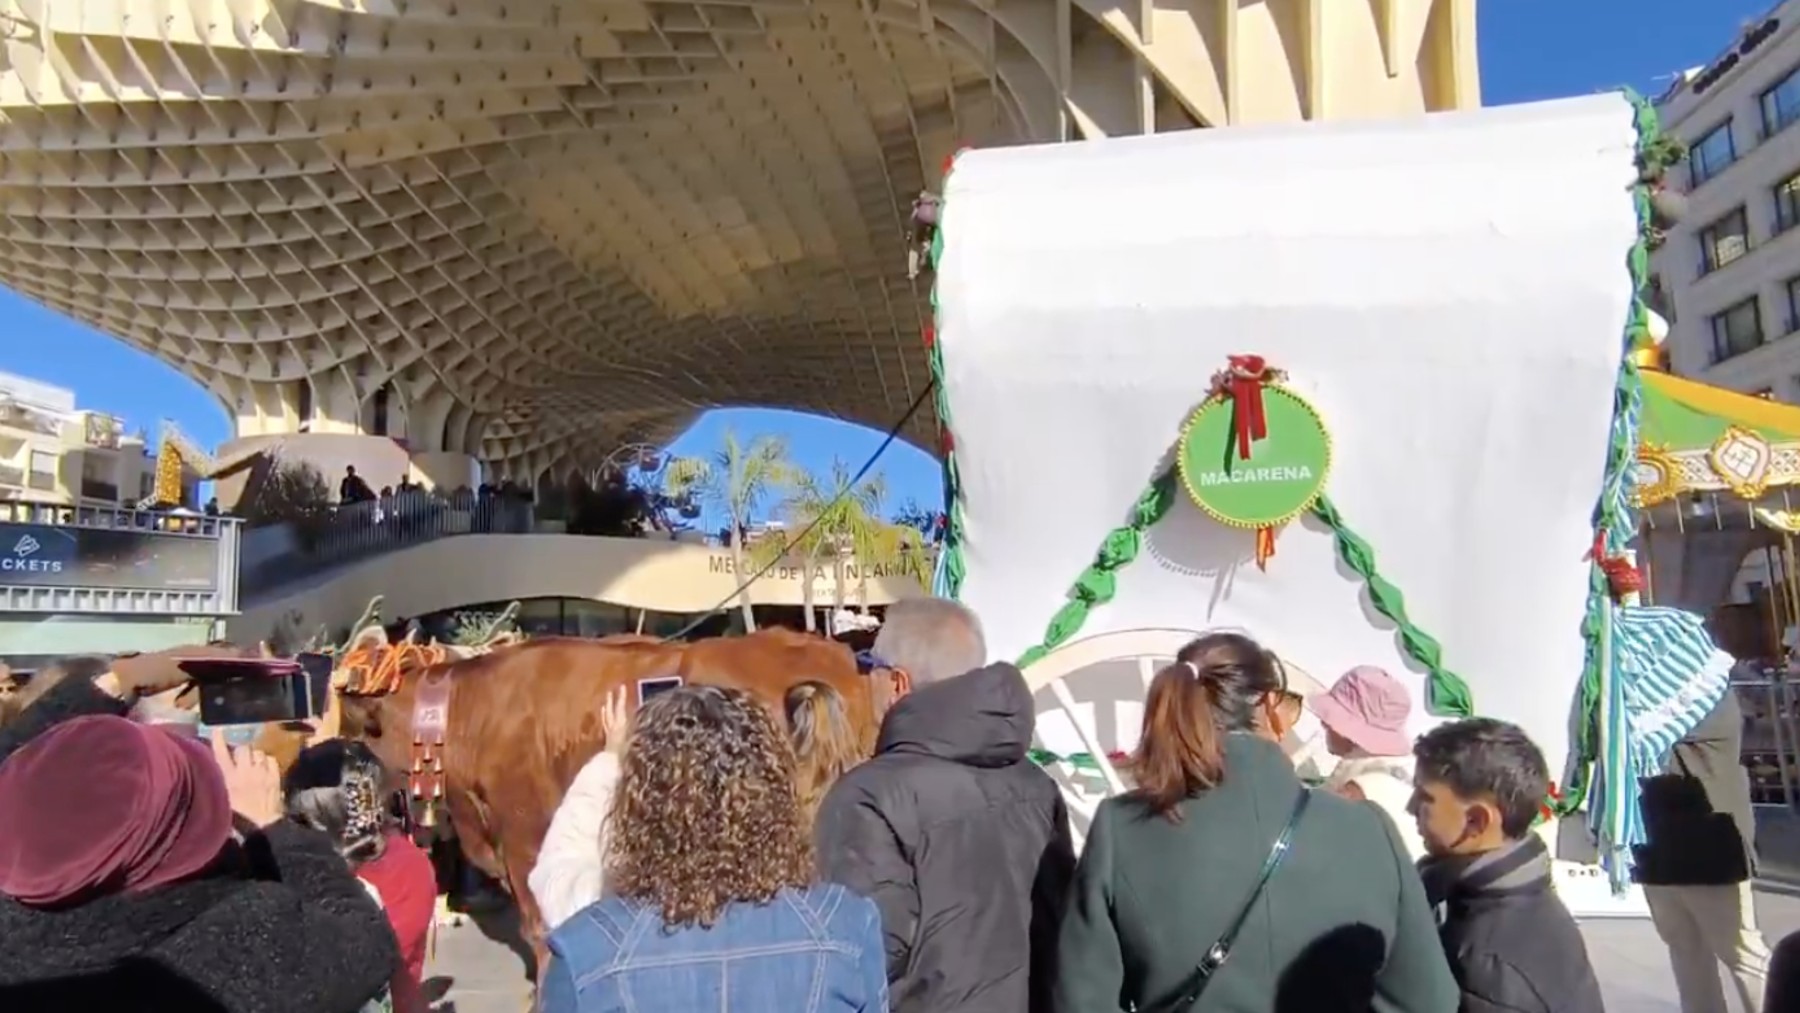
{"type": "Point", "coordinates": [825, 742]}
{"type": "Point", "coordinates": [338, 786]}
{"type": "Point", "coordinates": [1221, 873]}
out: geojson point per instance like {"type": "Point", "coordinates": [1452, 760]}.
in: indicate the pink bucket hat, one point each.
{"type": "Point", "coordinates": [1369, 707]}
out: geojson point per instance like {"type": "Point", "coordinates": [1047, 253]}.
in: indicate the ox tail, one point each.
{"type": "Point", "coordinates": [826, 742]}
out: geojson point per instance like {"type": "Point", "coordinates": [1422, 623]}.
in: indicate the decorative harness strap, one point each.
{"type": "Point", "coordinates": [431, 726]}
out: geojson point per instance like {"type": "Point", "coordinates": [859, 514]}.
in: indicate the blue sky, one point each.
{"type": "Point", "coordinates": [1530, 49]}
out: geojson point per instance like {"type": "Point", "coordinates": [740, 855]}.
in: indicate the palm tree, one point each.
{"type": "Point", "coordinates": [737, 480]}
{"type": "Point", "coordinates": [845, 523]}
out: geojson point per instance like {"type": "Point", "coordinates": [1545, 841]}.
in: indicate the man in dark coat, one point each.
{"type": "Point", "coordinates": [1512, 944]}
{"type": "Point", "coordinates": [1698, 861]}
{"type": "Point", "coordinates": [962, 841]}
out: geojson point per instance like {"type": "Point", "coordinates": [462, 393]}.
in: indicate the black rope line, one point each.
{"type": "Point", "coordinates": [893, 434]}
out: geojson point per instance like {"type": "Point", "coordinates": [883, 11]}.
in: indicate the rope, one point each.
{"type": "Point", "coordinates": [893, 434]}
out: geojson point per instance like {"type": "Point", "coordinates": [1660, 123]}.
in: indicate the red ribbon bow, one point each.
{"type": "Point", "coordinates": [1622, 578]}
{"type": "Point", "coordinates": [1245, 383]}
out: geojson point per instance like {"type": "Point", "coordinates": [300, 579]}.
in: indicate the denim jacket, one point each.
{"type": "Point", "coordinates": [813, 951]}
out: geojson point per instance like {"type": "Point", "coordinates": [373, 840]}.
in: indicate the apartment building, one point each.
{"type": "Point", "coordinates": [53, 452]}
{"type": "Point", "coordinates": [1728, 277]}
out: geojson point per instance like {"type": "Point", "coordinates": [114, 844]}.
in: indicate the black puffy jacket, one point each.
{"type": "Point", "coordinates": [962, 842]}
{"type": "Point", "coordinates": [1512, 944]}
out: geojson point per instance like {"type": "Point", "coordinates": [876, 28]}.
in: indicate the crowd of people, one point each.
{"type": "Point", "coordinates": [721, 855]}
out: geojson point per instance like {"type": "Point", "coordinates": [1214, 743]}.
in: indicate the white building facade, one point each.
{"type": "Point", "coordinates": [53, 452]}
{"type": "Point", "coordinates": [1728, 277]}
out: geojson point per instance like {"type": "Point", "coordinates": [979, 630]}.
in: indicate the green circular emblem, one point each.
{"type": "Point", "coordinates": [1281, 479]}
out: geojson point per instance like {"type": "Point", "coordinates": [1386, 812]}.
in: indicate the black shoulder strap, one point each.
{"type": "Point", "coordinates": [1277, 852]}
{"type": "Point", "coordinates": [1217, 954]}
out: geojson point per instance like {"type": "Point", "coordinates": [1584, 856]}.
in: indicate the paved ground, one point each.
{"type": "Point", "coordinates": [474, 974]}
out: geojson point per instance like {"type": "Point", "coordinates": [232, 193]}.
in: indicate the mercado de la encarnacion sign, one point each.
{"type": "Point", "coordinates": [852, 571]}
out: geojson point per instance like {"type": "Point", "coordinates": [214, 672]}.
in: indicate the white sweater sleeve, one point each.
{"type": "Point", "coordinates": [568, 875]}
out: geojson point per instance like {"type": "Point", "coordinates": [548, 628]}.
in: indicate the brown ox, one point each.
{"type": "Point", "coordinates": [523, 721]}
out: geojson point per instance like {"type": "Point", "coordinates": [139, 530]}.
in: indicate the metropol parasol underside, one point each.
{"type": "Point", "coordinates": [525, 232]}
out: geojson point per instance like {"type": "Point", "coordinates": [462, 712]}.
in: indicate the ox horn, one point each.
{"type": "Point", "coordinates": [371, 613]}
{"type": "Point", "coordinates": [507, 617]}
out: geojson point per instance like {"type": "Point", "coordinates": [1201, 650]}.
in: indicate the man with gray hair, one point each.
{"type": "Point", "coordinates": [960, 840]}
{"type": "Point", "coordinates": [922, 641]}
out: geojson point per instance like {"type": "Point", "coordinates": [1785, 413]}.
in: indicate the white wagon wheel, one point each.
{"type": "Point", "coordinates": [1090, 704]}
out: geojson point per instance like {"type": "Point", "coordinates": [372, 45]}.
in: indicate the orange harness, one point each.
{"type": "Point", "coordinates": [378, 671]}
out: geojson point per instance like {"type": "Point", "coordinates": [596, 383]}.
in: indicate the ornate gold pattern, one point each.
{"type": "Point", "coordinates": [1744, 461]}
{"type": "Point", "coordinates": [1658, 476]}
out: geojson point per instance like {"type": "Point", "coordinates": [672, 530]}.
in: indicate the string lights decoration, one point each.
{"type": "Point", "coordinates": [644, 469]}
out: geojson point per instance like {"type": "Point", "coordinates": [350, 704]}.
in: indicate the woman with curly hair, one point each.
{"type": "Point", "coordinates": [712, 901]}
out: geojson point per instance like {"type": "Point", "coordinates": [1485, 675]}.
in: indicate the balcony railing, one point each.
{"type": "Point", "coordinates": [94, 488]}
{"type": "Point", "coordinates": [362, 531]}
{"type": "Point", "coordinates": [101, 431]}
{"type": "Point", "coordinates": [114, 561]}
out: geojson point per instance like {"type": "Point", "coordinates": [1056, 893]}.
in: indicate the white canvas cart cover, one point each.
{"type": "Point", "coordinates": [1449, 291]}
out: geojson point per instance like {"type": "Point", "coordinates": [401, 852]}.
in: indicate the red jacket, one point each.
{"type": "Point", "coordinates": [404, 877]}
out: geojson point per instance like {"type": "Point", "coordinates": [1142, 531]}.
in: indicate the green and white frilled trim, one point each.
{"type": "Point", "coordinates": [1652, 674]}
{"type": "Point", "coordinates": [947, 581]}
{"type": "Point", "coordinates": [1615, 519]}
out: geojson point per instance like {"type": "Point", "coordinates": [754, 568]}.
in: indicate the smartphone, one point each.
{"type": "Point", "coordinates": [312, 687]}
{"type": "Point", "coordinates": [648, 688]}
{"type": "Point", "coordinates": [244, 691]}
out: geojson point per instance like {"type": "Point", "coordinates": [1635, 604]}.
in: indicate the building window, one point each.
{"type": "Point", "coordinates": [43, 470]}
{"type": "Point", "coordinates": [1787, 203]}
{"type": "Point", "coordinates": [1792, 291]}
{"type": "Point", "coordinates": [1711, 154]}
{"type": "Point", "coordinates": [379, 424]}
{"type": "Point", "coordinates": [1781, 104]}
{"type": "Point", "coordinates": [1724, 241]}
{"type": "Point", "coordinates": [1737, 330]}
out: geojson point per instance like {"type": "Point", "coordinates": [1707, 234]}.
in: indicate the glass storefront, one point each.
{"type": "Point", "coordinates": [573, 617]}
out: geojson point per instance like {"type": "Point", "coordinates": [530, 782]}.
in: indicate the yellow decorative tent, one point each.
{"type": "Point", "coordinates": [1697, 438]}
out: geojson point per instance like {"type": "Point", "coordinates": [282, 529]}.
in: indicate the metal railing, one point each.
{"type": "Point", "coordinates": [1771, 738]}
{"type": "Point", "coordinates": [359, 531]}
{"type": "Point", "coordinates": [123, 561]}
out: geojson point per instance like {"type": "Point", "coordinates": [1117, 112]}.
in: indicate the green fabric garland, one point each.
{"type": "Point", "coordinates": [1655, 154]}
{"type": "Point", "coordinates": [1098, 583]}
{"type": "Point", "coordinates": [954, 565]}
{"type": "Point", "coordinates": [1447, 695]}
{"type": "Point", "coordinates": [1080, 761]}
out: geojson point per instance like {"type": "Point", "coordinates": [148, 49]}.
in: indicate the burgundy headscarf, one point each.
{"type": "Point", "coordinates": [102, 805]}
